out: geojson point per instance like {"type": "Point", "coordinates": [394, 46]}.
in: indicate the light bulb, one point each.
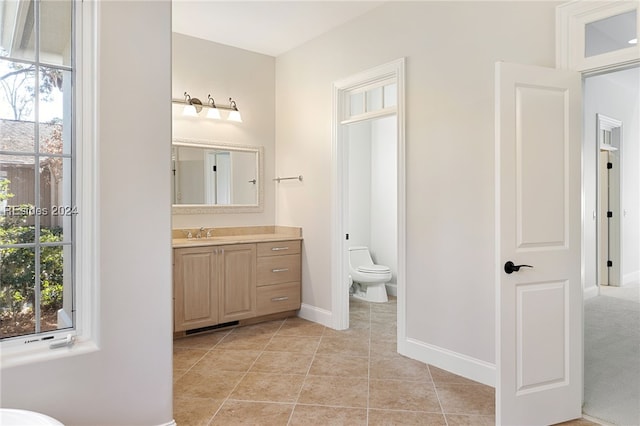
{"type": "Point", "coordinates": [190, 111]}
{"type": "Point", "coordinates": [213, 113]}
{"type": "Point", "coordinates": [235, 116]}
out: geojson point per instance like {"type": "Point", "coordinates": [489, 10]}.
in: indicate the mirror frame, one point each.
{"type": "Point", "coordinates": [226, 208]}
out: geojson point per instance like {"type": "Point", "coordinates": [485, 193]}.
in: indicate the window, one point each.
{"type": "Point", "coordinates": [37, 169]}
{"type": "Point", "coordinates": [611, 33]}
{"type": "Point", "coordinates": [378, 98]}
{"type": "Point", "coordinates": [592, 36]}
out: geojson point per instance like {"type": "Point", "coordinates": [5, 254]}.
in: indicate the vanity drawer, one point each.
{"type": "Point", "coordinates": [278, 269]}
{"type": "Point", "coordinates": [278, 298]}
{"type": "Point", "coordinates": [278, 248]}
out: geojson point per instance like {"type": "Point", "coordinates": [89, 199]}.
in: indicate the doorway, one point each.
{"type": "Point", "coordinates": [371, 191]}
{"type": "Point", "coordinates": [367, 100]}
{"type": "Point", "coordinates": [611, 155]}
{"type": "Point", "coordinates": [609, 146]}
{"type": "Point", "coordinates": [612, 243]}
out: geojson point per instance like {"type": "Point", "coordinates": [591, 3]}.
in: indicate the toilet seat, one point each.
{"type": "Point", "coordinates": [374, 269]}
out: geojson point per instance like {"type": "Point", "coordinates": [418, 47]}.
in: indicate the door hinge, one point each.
{"type": "Point", "coordinates": [346, 237]}
{"type": "Point", "coordinates": [215, 168]}
{"type": "Point", "coordinates": [609, 214]}
{"type": "Point", "coordinates": [609, 165]}
{"type": "Point", "coordinates": [609, 264]}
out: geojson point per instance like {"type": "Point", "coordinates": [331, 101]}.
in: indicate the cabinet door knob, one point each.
{"type": "Point", "coordinates": [279, 248]}
{"type": "Point", "coordinates": [279, 299]}
{"type": "Point", "coordinates": [280, 270]}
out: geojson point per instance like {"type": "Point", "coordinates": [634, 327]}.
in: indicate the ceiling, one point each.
{"type": "Point", "coordinates": [267, 27]}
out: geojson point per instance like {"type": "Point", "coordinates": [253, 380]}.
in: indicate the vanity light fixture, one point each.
{"type": "Point", "coordinates": [193, 107]}
{"type": "Point", "coordinates": [213, 112]}
{"type": "Point", "coordinates": [234, 115]}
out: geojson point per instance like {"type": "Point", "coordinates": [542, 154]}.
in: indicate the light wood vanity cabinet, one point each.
{"type": "Point", "coordinates": [238, 283]}
{"type": "Point", "coordinates": [278, 277]}
{"type": "Point", "coordinates": [222, 283]}
{"type": "Point", "coordinates": [196, 274]}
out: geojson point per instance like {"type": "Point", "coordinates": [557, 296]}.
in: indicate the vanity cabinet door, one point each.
{"type": "Point", "coordinates": [195, 287]}
{"type": "Point", "coordinates": [238, 282]}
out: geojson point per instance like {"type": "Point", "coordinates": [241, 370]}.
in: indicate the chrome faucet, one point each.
{"type": "Point", "coordinates": [209, 233]}
{"type": "Point", "coordinates": [199, 234]}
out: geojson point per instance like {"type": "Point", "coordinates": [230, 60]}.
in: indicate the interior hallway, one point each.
{"type": "Point", "coordinates": [295, 372]}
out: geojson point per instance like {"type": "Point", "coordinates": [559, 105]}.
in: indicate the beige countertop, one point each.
{"type": "Point", "coordinates": [237, 235]}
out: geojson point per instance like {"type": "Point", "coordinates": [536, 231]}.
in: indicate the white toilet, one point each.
{"type": "Point", "coordinates": [368, 279]}
{"type": "Point", "coordinates": [13, 417]}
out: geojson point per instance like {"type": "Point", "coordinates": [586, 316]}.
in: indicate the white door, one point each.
{"type": "Point", "coordinates": [538, 223]}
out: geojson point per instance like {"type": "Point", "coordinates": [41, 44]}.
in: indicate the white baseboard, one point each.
{"type": "Point", "coordinates": [590, 292]}
{"type": "Point", "coordinates": [319, 315]}
{"type": "Point", "coordinates": [632, 277]}
{"type": "Point", "coordinates": [462, 365]}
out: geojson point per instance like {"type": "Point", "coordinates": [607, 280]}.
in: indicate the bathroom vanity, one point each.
{"type": "Point", "coordinates": [233, 276]}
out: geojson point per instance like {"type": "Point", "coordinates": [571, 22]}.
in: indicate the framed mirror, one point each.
{"type": "Point", "coordinates": [216, 177]}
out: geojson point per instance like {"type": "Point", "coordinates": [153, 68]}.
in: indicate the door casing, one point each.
{"type": "Point", "coordinates": [340, 287]}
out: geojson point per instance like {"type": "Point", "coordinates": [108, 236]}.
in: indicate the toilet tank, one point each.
{"type": "Point", "coordinates": [359, 256]}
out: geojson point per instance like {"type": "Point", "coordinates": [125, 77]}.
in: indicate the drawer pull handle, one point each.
{"type": "Point", "coordinates": [279, 299]}
{"type": "Point", "coordinates": [279, 248]}
{"type": "Point", "coordinates": [280, 270]}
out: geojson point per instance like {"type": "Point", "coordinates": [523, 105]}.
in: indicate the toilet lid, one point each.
{"type": "Point", "coordinates": [374, 269]}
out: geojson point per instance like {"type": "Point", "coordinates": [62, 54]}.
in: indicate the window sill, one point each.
{"type": "Point", "coordinates": [17, 355]}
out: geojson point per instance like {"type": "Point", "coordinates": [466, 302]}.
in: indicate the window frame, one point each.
{"type": "Point", "coordinates": [83, 337]}
{"type": "Point", "coordinates": [571, 21]}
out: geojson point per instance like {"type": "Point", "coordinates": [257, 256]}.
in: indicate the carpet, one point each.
{"type": "Point", "coordinates": [612, 360]}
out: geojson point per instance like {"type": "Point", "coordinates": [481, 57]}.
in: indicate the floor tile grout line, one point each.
{"type": "Point", "coordinates": [313, 358]}
{"type": "Point", "coordinates": [435, 389]}
{"type": "Point", "coordinates": [245, 373]}
{"type": "Point", "coordinates": [205, 354]}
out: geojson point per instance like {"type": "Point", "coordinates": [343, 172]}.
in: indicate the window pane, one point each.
{"type": "Point", "coordinates": [390, 95]}
{"type": "Point", "coordinates": [55, 111]}
{"type": "Point", "coordinates": [356, 101]}
{"type": "Point", "coordinates": [18, 39]}
{"type": "Point", "coordinates": [56, 210]}
{"type": "Point", "coordinates": [17, 95]}
{"type": "Point", "coordinates": [52, 283]}
{"type": "Point", "coordinates": [609, 34]}
{"type": "Point", "coordinates": [17, 277]}
{"type": "Point", "coordinates": [374, 99]}
{"type": "Point", "coordinates": [17, 136]}
{"type": "Point", "coordinates": [17, 186]}
{"type": "Point", "coordinates": [55, 32]}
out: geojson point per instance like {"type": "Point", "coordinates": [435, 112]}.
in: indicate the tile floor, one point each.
{"type": "Point", "coordinates": [295, 372]}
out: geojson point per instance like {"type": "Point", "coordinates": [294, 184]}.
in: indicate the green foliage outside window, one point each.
{"type": "Point", "coordinates": [17, 274]}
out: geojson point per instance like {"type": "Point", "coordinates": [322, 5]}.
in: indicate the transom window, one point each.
{"type": "Point", "coordinates": [37, 168]}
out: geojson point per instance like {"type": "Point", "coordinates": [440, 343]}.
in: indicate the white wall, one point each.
{"type": "Point", "coordinates": [615, 95]}
{"type": "Point", "coordinates": [201, 68]}
{"type": "Point", "coordinates": [359, 140]}
{"type": "Point", "coordinates": [128, 380]}
{"type": "Point", "coordinates": [384, 193]}
{"type": "Point", "coordinates": [450, 50]}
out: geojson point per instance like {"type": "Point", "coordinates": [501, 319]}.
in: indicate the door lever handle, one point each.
{"type": "Point", "coordinates": [510, 268]}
